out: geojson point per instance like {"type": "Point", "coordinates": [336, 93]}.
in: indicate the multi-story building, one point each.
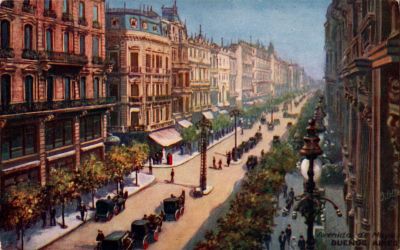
{"type": "Point", "coordinates": [138, 43]}
{"type": "Point", "coordinates": [223, 77]}
{"type": "Point", "coordinates": [233, 93]}
{"type": "Point", "coordinates": [362, 91]}
{"type": "Point", "coordinates": [200, 64]}
{"type": "Point", "coordinates": [244, 55]}
{"type": "Point", "coordinates": [214, 74]}
{"type": "Point", "coordinates": [181, 89]}
{"type": "Point", "coordinates": [261, 73]}
{"type": "Point", "coordinates": [53, 93]}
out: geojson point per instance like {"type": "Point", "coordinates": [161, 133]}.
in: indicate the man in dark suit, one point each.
{"type": "Point", "coordinates": [282, 240]}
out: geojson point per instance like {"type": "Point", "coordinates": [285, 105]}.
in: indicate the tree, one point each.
{"type": "Point", "coordinates": [189, 136]}
{"type": "Point", "coordinates": [90, 176]}
{"type": "Point", "coordinates": [61, 188]}
{"type": "Point", "coordinates": [21, 207]}
{"type": "Point", "coordinates": [118, 163]}
{"type": "Point", "coordinates": [139, 153]}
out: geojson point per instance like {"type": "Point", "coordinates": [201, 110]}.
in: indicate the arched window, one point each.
{"type": "Point", "coordinates": [5, 34]}
{"type": "Point", "coordinates": [49, 40]}
{"type": "Point", "coordinates": [67, 88]}
{"type": "Point", "coordinates": [50, 88]}
{"type": "Point", "coordinates": [96, 87]}
{"type": "Point", "coordinates": [29, 89]}
{"type": "Point", "coordinates": [5, 90]}
{"type": "Point", "coordinates": [28, 36]}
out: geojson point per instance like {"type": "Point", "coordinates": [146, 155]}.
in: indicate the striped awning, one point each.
{"type": "Point", "coordinates": [166, 137]}
{"type": "Point", "coordinates": [185, 123]}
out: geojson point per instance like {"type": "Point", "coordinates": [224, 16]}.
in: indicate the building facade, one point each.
{"type": "Point", "coordinates": [362, 91]}
{"type": "Point", "coordinates": [233, 93]}
{"type": "Point", "coordinates": [261, 73]}
{"type": "Point", "coordinates": [223, 77]}
{"type": "Point", "coordinates": [53, 92]}
{"type": "Point", "coordinates": [138, 40]}
{"type": "Point", "coordinates": [200, 65]}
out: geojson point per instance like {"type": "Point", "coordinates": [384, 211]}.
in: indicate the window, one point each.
{"type": "Point", "coordinates": [96, 88]}
{"type": "Point", "coordinates": [95, 46]}
{"type": "Point", "coordinates": [133, 23]}
{"type": "Point", "coordinates": [29, 89]}
{"type": "Point", "coordinates": [82, 46]}
{"type": "Point", "coordinates": [134, 62]}
{"type": "Point", "coordinates": [28, 36]}
{"type": "Point", "coordinates": [5, 34]}
{"type": "Point", "coordinates": [81, 10]}
{"type": "Point", "coordinates": [49, 88]}
{"type": "Point", "coordinates": [5, 90]}
{"type": "Point", "coordinates": [58, 134]}
{"type": "Point", "coordinates": [65, 6]}
{"type": "Point", "coordinates": [49, 40]}
{"type": "Point", "coordinates": [82, 88]}
{"type": "Point", "coordinates": [144, 25]}
{"type": "Point", "coordinates": [66, 41]}
{"type": "Point", "coordinates": [90, 127]}
{"type": "Point", "coordinates": [67, 88]}
{"type": "Point", "coordinates": [95, 13]}
{"type": "Point", "coordinates": [114, 59]}
{"type": "Point", "coordinates": [47, 4]}
{"type": "Point", "coordinates": [18, 141]}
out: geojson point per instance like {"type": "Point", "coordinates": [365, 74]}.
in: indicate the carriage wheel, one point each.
{"type": "Point", "coordinates": [155, 234]}
{"type": "Point", "coordinates": [182, 210]}
{"type": "Point", "coordinates": [145, 242]}
{"type": "Point", "coordinates": [109, 216]}
{"type": "Point", "coordinates": [177, 215]}
{"type": "Point", "coordinates": [116, 210]}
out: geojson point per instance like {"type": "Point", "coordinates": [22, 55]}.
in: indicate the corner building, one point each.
{"type": "Point", "coordinates": [53, 94]}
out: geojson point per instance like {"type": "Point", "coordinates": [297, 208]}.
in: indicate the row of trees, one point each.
{"type": "Point", "coordinates": [23, 204]}
{"type": "Point", "coordinates": [254, 207]}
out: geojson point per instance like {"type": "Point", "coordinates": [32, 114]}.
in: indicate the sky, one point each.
{"type": "Point", "coordinates": [295, 27]}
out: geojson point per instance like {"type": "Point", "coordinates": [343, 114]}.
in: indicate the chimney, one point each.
{"type": "Point", "coordinates": [222, 42]}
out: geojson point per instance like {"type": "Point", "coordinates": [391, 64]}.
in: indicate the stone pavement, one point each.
{"type": "Point", "coordinates": [37, 237]}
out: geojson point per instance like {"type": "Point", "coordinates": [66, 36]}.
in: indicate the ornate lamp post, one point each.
{"type": "Point", "coordinates": [311, 203]}
{"type": "Point", "coordinates": [205, 126]}
{"type": "Point", "coordinates": [235, 112]}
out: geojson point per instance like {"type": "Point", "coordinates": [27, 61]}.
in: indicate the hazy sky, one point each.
{"type": "Point", "coordinates": [296, 27]}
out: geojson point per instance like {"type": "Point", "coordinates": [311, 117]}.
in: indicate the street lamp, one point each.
{"type": "Point", "coordinates": [235, 112]}
{"type": "Point", "coordinates": [205, 126]}
{"type": "Point", "coordinates": [312, 202]}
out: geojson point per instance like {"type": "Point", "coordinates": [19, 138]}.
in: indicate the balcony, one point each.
{"type": "Point", "coordinates": [96, 25]}
{"type": "Point", "coordinates": [64, 57]}
{"type": "Point", "coordinates": [7, 53]}
{"type": "Point", "coordinates": [7, 4]}
{"type": "Point", "coordinates": [97, 60]}
{"type": "Point", "coordinates": [161, 124]}
{"type": "Point", "coordinates": [135, 99]}
{"type": "Point", "coordinates": [28, 8]}
{"type": "Point", "coordinates": [20, 108]}
{"type": "Point", "coordinates": [82, 21]}
{"type": "Point", "coordinates": [67, 17]}
{"type": "Point", "coordinates": [135, 70]}
{"type": "Point", "coordinates": [30, 54]}
{"type": "Point", "coordinates": [161, 98]}
{"type": "Point", "coordinates": [50, 13]}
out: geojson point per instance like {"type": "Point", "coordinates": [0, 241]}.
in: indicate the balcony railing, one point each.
{"type": "Point", "coordinates": [26, 7]}
{"type": "Point", "coordinates": [135, 99]}
{"type": "Point", "coordinates": [136, 128]}
{"type": "Point", "coordinates": [161, 124]}
{"type": "Point", "coordinates": [97, 60]}
{"type": "Point", "coordinates": [163, 98]}
{"type": "Point", "coordinates": [7, 4]}
{"type": "Point", "coordinates": [67, 17]}
{"type": "Point", "coordinates": [63, 57]}
{"type": "Point", "coordinates": [96, 25]}
{"type": "Point", "coordinates": [19, 108]}
{"type": "Point", "coordinates": [135, 69]}
{"type": "Point", "coordinates": [50, 13]}
{"type": "Point", "coordinates": [82, 21]}
{"type": "Point", "coordinates": [30, 54]}
{"type": "Point", "coordinates": [7, 53]}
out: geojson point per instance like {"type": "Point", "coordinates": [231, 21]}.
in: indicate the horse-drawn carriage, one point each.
{"type": "Point", "coordinates": [174, 207]}
{"type": "Point", "coordinates": [271, 126]}
{"type": "Point", "coordinates": [146, 230]}
{"type": "Point", "coordinates": [118, 240]}
{"type": "Point", "coordinates": [107, 208]}
{"type": "Point", "coordinates": [251, 162]}
{"type": "Point", "coordinates": [263, 119]}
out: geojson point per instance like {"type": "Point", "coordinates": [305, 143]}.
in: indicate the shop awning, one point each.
{"type": "Point", "coordinates": [166, 137]}
{"type": "Point", "coordinates": [135, 109]}
{"type": "Point", "coordinates": [208, 115]}
{"type": "Point", "coordinates": [185, 123]}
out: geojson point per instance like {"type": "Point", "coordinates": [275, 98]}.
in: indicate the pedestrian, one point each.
{"type": "Point", "coordinates": [291, 193]}
{"type": "Point", "coordinates": [121, 186]}
{"type": "Point", "coordinates": [214, 162]}
{"type": "Point", "coordinates": [259, 128]}
{"type": "Point", "coordinates": [282, 240]}
{"type": "Point", "coordinates": [53, 216]}
{"type": "Point", "coordinates": [125, 196]}
{"type": "Point", "coordinates": [267, 240]}
{"type": "Point", "coordinates": [220, 164]}
{"type": "Point", "coordinates": [150, 169]}
{"type": "Point", "coordinates": [242, 131]}
{"type": "Point", "coordinates": [288, 232]}
{"type": "Point", "coordinates": [43, 215]}
{"type": "Point", "coordinates": [82, 210]}
{"type": "Point", "coordinates": [100, 236]}
{"type": "Point", "coordinates": [292, 245]}
{"type": "Point", "coordinates": [172, 175]}
{"type": "Point", "coordinates": [228, 159]}
{"type": "Point", "coordinates": [301, 243]}
{"type": "Point", "coordinates": [289, 203]}
{"type": "Point", "coordinates": [262, 153]}
{"type": "Point", "coordinates": [78, 202]}
{"type": "Point", "coordinates": [285, 188]}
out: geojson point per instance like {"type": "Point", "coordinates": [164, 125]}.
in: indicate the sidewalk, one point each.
{"type": "Point", "coordinates": [37, 237]}
{"type": "Point", "coordinates": [179, 159]}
